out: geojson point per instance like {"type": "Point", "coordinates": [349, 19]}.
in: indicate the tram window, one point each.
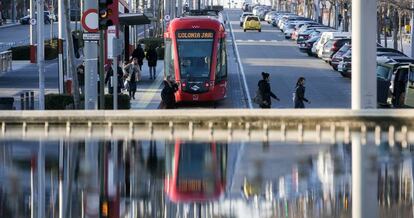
{"type": "Point", "coordinates": [221, 60]}
{"type": "Point", "coordinates": [169, 59]}
{"type": "Point", "coordinates": [195, 57]}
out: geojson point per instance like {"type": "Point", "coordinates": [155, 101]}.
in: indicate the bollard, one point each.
{"type": "Point", "coordinates": [26, 105]}
{"type": "Point", "coordinates": [32, 100]}
{"type": "Point", "coordinates": [21, 101]}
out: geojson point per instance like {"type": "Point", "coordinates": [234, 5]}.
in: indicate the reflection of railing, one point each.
{"type": "Point", "coordinates": [5, 61]}
{"type": "Point", "coordinates": [312, 125]}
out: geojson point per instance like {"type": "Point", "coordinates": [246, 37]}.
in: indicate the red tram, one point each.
{"type": "Point", "coordinates": [196, 58]}
{"type": "Point", "coordinates": [195, 172]}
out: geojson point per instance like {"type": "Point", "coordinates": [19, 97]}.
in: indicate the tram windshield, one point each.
{"type": "Point", "coordinates": [195, 54]}
{"type": "Point", "coordinates": [196, 168]}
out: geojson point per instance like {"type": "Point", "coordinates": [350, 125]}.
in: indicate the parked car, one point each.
{"type": "Point", "coordinates": [306, 46]}
{"type": "Point", "coordinates": [395, 77]}
{"type": "Point", "coordinates": [252, 23]}
{"type": "Point", "coordinates": [243, 16]}
{"type": "Point", "coordinates": [332, 46]}
{"type": "Point", "coordinates": [345, 65]}
{"type": "Point", "coordinates": [26, 19]}
{"type": "Point", "coordinates": [325, 37]}
{"type": "Point", "coordinates": [337, 57]}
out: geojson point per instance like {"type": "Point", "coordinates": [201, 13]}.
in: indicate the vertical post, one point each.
{"type": "Point", "coordinates": [21, 101]}
{"type": "Point", "coordinates": [61, 197]}
{"type": "Point", "coordinates": [364, 26]}
{"type": "Point", "coordinates": [32, 33]}
{"type": "Point", "coordinates": [412, 28]}
{"type": "Point", "coordinates": [40, 53]}
{"type": "Point", "coordinates": [91, 64]}
{"type": "Point", "coordinates": [101, 70]}
{"type": "Point", "coordinates": [41, 181]}
{"type": "Point", "coordinates": [32, 100]}
{"type": "Point", "coordinates": [61, 29]}
{"type": "Point", "coordinates": [26, 101]}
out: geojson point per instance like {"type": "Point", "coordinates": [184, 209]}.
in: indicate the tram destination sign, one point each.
{"type": "Point", "coordinates": [195, 35]}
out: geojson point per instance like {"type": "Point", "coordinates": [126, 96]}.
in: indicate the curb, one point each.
{"type": "Point", "coordinates": [9, 25]}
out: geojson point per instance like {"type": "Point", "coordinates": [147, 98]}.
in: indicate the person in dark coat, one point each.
{"type": "Point", "coordinates": [299, 97]}
{"type": "Point", "coordinates": [139, 54]}
{"type": "Point", "coordinates": [109, 74]}
{"type": "Point", "coordinates": [168, 93]}
{"type": "Point", "coordinates": [133, 76]}
{"type": "Point", "coordinates": [152, 58]}
{"type": "Point", "coordinates": [81, 78]}
{"type": "Point", "coordinates": [266, 92]}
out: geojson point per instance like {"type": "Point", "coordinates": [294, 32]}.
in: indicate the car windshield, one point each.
{"type": "Point", "coordinates": [194, 53]}
{"type": "Point", "coordinates": [252, 19]}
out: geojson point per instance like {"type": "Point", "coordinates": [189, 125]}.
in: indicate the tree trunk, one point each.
{"type": "Point", "coordinates": [379, 25]}
{"type": "Point", "coordinates": [71, 58]}
{"type": "Point", "coordinates": [400, 31]}
{"type": "Point", "coordinates": [330, 14]}
{"type": "Point", "coordinates": [395, 28]}
{"type": "Point", "coordinates": [385, 29]}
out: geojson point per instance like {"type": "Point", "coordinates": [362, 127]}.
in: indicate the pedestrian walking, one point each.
{"type": "Point", "coordinates": [109, 78]}
{"type": "Point", "coordinates": [133, 76]}
{"type": "Point", "coordinates": [80, 70]}
{"type": "Point", "coordinates": [264, 92]}
{"type": "Point", "coordinates": [140, 55]}
{"type": "Point", "coordinates": [299, 94]}
{"type": "Point", "coordinates": [152, 58]}
{"type": "Point", "coordinates": [168, 94]}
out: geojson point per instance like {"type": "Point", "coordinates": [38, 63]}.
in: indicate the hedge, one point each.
{"type": "Point", "coordinates": [65, 101]}
{"type": "Point", "coordinates": [23, 52]}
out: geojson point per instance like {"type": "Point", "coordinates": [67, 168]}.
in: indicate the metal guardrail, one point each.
{"type": "Point", "coordinates": [6, 61]}
{"type": "Point", "coordinates": [309, 125]}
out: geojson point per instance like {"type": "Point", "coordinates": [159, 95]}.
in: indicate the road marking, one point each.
{"type": "Point", "coordinates": [249, 100]}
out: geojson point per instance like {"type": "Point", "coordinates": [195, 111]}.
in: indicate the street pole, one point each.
{"type": "Point", "coordinates": [364, 81]}
{"type": "Point", "coordinates": [61, 29]}
{"type": "Point", "coordinates": [32, 33]}
{"type": "Point", "coordinates": [101, 70]}
{"type": "Point", "coordinates": [412, 28]}
{"type": "Point", "coordinates": [40, 53]}
{"type": "Point", "coordinates": [91, 64]}
{"type": "Point", "coordinates": [41, 181]}
{"type": "Point", "coordinates": [61, 197]}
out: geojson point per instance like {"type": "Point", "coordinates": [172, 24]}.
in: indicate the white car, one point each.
{"type": "Point", "coordinates": [243, 16]}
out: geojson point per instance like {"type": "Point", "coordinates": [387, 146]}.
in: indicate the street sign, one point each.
{"type": "Point", "coordinates": [91, 36]}
{"type": "Point", "coordinates": [90, 20]}
{"type": "Point", "coordinates": [167, 17]}
{"type": "Point", "coordinates": [32, 21]}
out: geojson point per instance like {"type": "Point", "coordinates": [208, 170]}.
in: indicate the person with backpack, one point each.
{"type": "Point", "coordinates": [168, 93]}
{"type": "Point", "coordinates": [133, 76]}
{"type": "Point", "coordinates": [299, 94]}
{"type": "Point", "coordinates": [152, 58]}
{"type": "Point", "coordinates": [264, 92]}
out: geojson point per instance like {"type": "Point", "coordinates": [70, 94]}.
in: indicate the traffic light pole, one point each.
{"type": "Point", "coordinates": [101, 69]}
{"type": "Point", "coordinates": [61, 29]}
{"type": "Point", "coordinates": [41, 53]}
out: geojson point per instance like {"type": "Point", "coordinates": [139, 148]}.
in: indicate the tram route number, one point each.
{"type": "Point", "coordinates": [195, 35]}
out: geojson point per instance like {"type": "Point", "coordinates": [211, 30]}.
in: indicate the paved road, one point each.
{"type": "Point", "coordinates": [269, 51]}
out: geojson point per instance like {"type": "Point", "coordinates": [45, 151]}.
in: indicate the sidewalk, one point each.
{"type": "Point", "coordinates": [148, 94]}
{"type": "Point", "coordinates": [9, 24]}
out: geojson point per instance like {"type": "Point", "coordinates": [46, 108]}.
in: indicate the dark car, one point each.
{"type": "Point", "coordinates": [26, 19]}
{"type": "Point", "coordinates": [306, 46]}
{"type": "Point", "coordinates": [337, 57]}
{"type": "Point", "coordinates": [390, 86]}
{"type": "Point", "coordinates": [332, 46]}
{"type": "Point", "coordinates": [344, 67]}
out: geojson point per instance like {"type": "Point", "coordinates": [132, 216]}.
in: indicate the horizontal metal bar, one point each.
{"type": "Point", "coordinates": [318, 125]}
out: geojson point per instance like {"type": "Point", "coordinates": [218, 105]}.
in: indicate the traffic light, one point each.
{"type": "Point", "coordinates": [105, 14]}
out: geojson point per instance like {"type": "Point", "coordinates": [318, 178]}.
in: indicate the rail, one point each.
{"type": "Point", "coordinates": [310, 125]}
{"type": "Point", "coordinates": [6, 61]}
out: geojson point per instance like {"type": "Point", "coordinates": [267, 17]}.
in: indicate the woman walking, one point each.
{"type": "Point", "coordinates": [266, 92]}
{"type": "Point", "coordinates": [299, 95]}
{"type": "Point", "coordinates": [152, 58]}
{"type": "Point", "coordinates": [133, 76]}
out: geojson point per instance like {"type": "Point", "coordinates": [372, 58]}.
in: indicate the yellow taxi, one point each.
{"type": "Point", "coordinates": [252, 23]}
